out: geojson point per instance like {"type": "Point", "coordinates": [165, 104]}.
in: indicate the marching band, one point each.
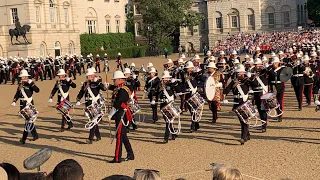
{"type": "Point", "coordinates": [257, 85]}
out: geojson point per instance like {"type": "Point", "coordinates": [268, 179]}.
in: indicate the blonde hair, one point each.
{"type": "Point", "coordinates": [226, 173]}
{"type": "Point", "coordinates": [146, 174]}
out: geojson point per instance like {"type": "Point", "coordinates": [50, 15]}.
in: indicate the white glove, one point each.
{"type": "Point", "coordinates": [134, 76]}
{"type": "Point", "coordinates": [68, 79]}
{"type": "Point", "coordinates": [250, 92]}
{"type": "Point", "coordinates": [219, 85]}
{"type": "Point", "coordinates": [152, 102]}
{"type": "Point", "coordinates": [173, 80]}
{"type": "Point", "coordinates": [145, 91]}
{"type": "Point", "coordinates": [225, 101]}
{"type": "Point", "coordinates": [13, 104]}
{"type": "Point", "coordinates": [106, 84]}
{"type": "Point", "coordinates": [78, 103]}
{"type": "Point", "coordinates": [112, 112]}
{"type": "Point", "coordinates": [50, 100]}
{"type": "Point", "coordinates": [95, 79]}
{"type": "Point", "coordinates": [29, 81]}
{"type": "Point", "coordinates": [317, 102]}
{"type": "Point", "coordinates": [248, 74]}
{"type": "Point", "coordinates": [171, 98]}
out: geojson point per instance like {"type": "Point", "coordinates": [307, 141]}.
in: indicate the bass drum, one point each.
{"type": "Point", "coordinates": [210, 88]}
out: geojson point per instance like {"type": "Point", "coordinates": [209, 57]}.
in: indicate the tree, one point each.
{"type": "Point", "coordinates": [129, 16]}
{"type": "Point", "coordinates": [161, 18]}
{"type": "Point", "coordinates": [314, 11]}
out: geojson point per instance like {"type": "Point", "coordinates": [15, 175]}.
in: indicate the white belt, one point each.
{"type": "Point", "coordinates": [237, 96]}
{"type": "Point", "coordinates": [276, 82]}
{"type": "Point", "coordinates": [297, 75]}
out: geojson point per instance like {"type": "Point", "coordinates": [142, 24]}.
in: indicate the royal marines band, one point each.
{"type": "Point", "coordinates": [257, 84]}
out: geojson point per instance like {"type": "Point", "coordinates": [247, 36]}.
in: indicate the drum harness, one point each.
{"type": "Point", "coordinates": [171, 99]}
{"type": "Point", "coordinates": [64, 97]}
{"type": "Point", "coordinates": [95, 99]}
{"type": "Point", "coordinates": [194, 111]}
{"type": "Point", "coordinates": [30, 124]}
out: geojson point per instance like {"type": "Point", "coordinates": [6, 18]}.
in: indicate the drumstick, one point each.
{"type": "Point", "coordinates": [108, 105]}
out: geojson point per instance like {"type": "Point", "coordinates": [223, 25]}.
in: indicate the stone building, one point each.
{"type": "Point", "coordinates": [56, 25]}
{"type": "Point", "coordinates": [102, 16]}
{"type": "Point", "coordinates": [224, 17]}
{"type": "Point", "coordinates": [54, 28]}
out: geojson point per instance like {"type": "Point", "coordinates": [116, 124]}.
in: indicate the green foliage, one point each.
{"type": "Point", "coordinates": [94, 42]}
{"type": "Point", "coordinates": [130, 20]}
{"type": "Point", "coordinates": [314, 11]}
{"type": "Point", "coordinates": [161, 18]}
{"type": "Point", "coordinates": [129, 52]}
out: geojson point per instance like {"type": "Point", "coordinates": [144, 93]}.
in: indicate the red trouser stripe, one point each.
{"type": "Point", "coordinates": [118, 142]}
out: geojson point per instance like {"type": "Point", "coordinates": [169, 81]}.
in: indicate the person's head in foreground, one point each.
{"type": "Point", "coordinates": [146, 174]}
{"type": "Point", "coordinates": [118, 177]}
{"type": "Point", "coordinates": [223, 172]}
{"type": "Point", "coordinates": [12, 173]}
{"type": "Point", "coordinates": [68, 169]}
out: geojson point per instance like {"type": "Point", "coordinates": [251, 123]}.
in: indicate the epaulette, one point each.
{"type": "Point", "coordinates": [126, 89]}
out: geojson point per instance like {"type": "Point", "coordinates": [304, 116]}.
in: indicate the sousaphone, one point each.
{"type": "Point", "coordinates": [286, 74]}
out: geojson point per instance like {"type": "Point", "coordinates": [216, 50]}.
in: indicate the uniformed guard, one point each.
{"type": "Point", "coordinates": [24, 93]}
{"type": "Point", "coordinates": [47, 69]}
{"type": "Point", "coordinates": [91, 90]}
{"type": "Point", "coordinates": [166, 95]}
{"type": "Point", "coordinates": [259, 85]}
{"type": "Point", "coordinates": [119, 62]}
{"type": "Point", "coordinates": [62, 86]}
{"type": "Point", "coordinates": [297, 81]}
{"type": "Point", "coordinates": [308, 78]}
{"type": "Point", "coordinates": [240, 88]}
{"type": "Point", "coordinates": [274, 81]}
{"type": "Point", "coordinates": [122, 115]}
{"type": "Point", "coordinates": [98, 60]}
{"type": "Point", "coordinates": [152, 88]}
{"type": "Point", "coordinates": [217, 76]}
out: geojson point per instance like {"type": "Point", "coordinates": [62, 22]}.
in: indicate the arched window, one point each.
{"type": "Point", "coordinates": [42, 50]}
{"type": "Point", "coordinates": [51, 11]}
{"type": "Point", "coordinates": [286, 16]}
{"type": "Point", "coordinates": [234, 18]}
{"type": "Point", "coordinates": [91, 21]}
{"type": "Point", "coordinates": [57, 48]}
{"type": "Point", "coordinates": [70, 48]}
{"type": "Point", "coordinates": [270, 15]}
{"type": "Point", "coordinates": [218, 20]}
{"type": "Point", "coordinates": [250, 15]}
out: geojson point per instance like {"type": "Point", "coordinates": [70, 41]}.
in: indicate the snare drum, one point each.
{"type": "Point", "coordinates": [171, 111]}
{"type": "Point", "coordinates": [134, 106]}
{"type": "Point", "coordinates": [269, 101]}
{"type": "Point", "coordinates": [93, 111]}
{"type": "Point", "coordinates": [246, 111]}
{"type": "Point", "coordinates": [29, 113]}
{"type": "Point", "coordinates": [196, 101]}
{"type": "Point", "coordinates": [64, 108]}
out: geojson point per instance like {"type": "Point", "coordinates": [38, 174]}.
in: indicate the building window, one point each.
{"type": "Point", "coordinates": [219, 22]}
{"type": "Point", "coordinates": [91, 26]}
{"type": "Point", "coordinates": [70, 47]}
{"type": "Point", "coordinates": [138, 29]}
{"type": "Point", "coordinates": [286, 19]}
{"type": "Point", "coordinates": [118, 26]}
{"type": "Point", "coordinates": [14, 13]}
{"type": "Point", "coordinates": [234, 20]}
{"type": "Point", "coordinates": [37, 14]}
{"type": "Point", "coordinates": [251, 20]}
{"type": "Point", "coordinates": [203, 24]}
{"type": "Point", "coordinates": [51, 10]}
{"type": "Point", "coordinates": [42, 50]}
{"type": "Point", "coordinates": [271, 18]}
{"type": "Point", "coordinates": [107, 26]}
{"type": "Point", "coordinates": [66, 15]}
